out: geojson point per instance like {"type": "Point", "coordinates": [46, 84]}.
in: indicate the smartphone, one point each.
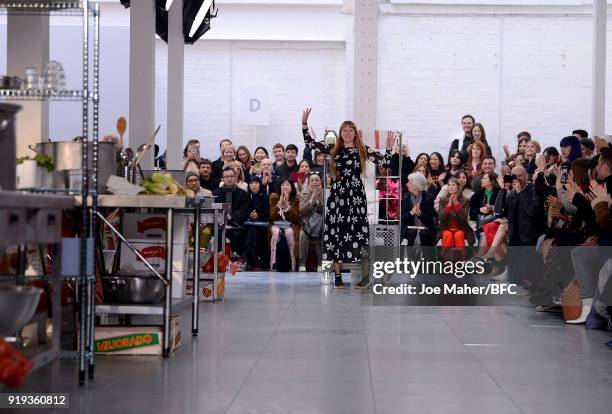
{"type": "Point", "coordinates": [564, 173]}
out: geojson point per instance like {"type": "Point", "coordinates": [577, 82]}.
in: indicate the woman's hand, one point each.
{"type": "Point", "coordinates": [597, 190]}
{"type": "Point", "coordinates": [541, 162]}
{"type": "Point", "coordinates": [500, 181]}
{"type": "Point", "coordinates": [484, 210]}
{"type": "Point", "coordinates": [442, 176]}
{"type": "Point", "coordinates": [390, 140]}
{"type": "Point", "coordinates": [305, 115]}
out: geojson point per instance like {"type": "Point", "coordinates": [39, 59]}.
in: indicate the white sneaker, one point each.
{"type": "Point", "coordinates": [586, 308]}
{"type": "Point", "coordinates": [502, 277]}
{"type": "Point", "coordinates": [319, 269]}
{"type": "Point", "coordinates": [302, 269]}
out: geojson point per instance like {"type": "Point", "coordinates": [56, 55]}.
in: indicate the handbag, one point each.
{"type": "Point", "coordinates": [313, 225]}
{"type": "Point", "coordinates": [481, 220]}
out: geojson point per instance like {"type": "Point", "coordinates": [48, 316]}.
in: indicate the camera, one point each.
{"type": "Point", "coordinates": [509, 178]}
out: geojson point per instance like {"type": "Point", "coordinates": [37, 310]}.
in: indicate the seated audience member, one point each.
{"type": "Point", "coordinates": [191, 156]}
{"type": "Point", "coordinates": [431, 186]}
{"type": "Point", "coordinates": [520, 205]}
{"type": "Point", "coordinates": [604, 168]}
{"type": "Point", "coordinates": [461, 143]}
{"type": "Point", "coordinates": [482, 205]}
{"type": "Point", "coordinates": [192, 182]}
{"type": "Point", "coordinates": [290, 165]}
{"type": "Point", "coordinates": [278, 152]}
{"type": "Point", "coordinates": [570, 149]}
{"type": "Point", "coordinates": [269, 180]}
{"type": "Point", "coordinates": [587, 148]}
{"type": "Point", "coordinates": [256, 249]}
{"type": "Point", "coordinates": [418, 214]}
{"type": "Point", "coordinates": [476, 153]}
{"type": "Point", "coordinates": [453, 219]}
{"type": "Point", "coordinates": [407, 163]}
{"type": "Point", "coordinates": [522, 139]}
{"type": "Point", "coordinates": [285, 217]}
{"type": "Point", "coordinates": [318, 162]}
{"type": "Point", "coordinates": [422, 160]}
{"type": "Point", "coordinates": [436, 166]}
{"type": "Point", "coordinates": [240, 181]}
{"type": "Point", "coordinates": [218, 164]}
{"type": "Point", "coordinates": [465, 190]}
{"type": "Point", "coordinates": [244, 156]}
{"type": "Point", "coordinates": [531, 154]}
{"type": "Point", "coordinates": [302, 176]}
{"type": "Point", "coordinates": [455, 164]}
{"type": "Point", "coordinates": [207, 180]}
{"type": "Point", "coordinates": [239, 201]}
{"type": "Point", "coordinates": [580, 133]}
{"type": "Point", "coordinates": [478, 133]}
{"type": "Point", "coordinates": [259, 154]}
{"type": "Point", "coordinates": [487, 167]}
{"type": "Point", "coordinates": [311, 216]}
{"type": "Point", "coordinates": [493, 245]}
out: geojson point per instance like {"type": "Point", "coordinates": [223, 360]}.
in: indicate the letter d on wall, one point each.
{"type": "Point", "coordinates": [254, 105]}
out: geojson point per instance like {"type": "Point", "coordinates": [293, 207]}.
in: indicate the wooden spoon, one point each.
{"type": "Point", "coordinates": [121, 127]}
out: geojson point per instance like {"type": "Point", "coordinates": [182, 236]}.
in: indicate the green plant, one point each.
{"type": "Point", "coordinates": [42, 160]}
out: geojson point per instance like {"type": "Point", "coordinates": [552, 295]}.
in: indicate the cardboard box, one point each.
{"type": "Point", "coordinates": [210, 289]}
{"type": "Point", "coordinates": [137, 226]}
{"type": "Point", "coordinates": [155, 253]}
{"type": "Point", "coordinates": [136, 340]}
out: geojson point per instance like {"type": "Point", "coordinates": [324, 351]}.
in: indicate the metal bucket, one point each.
{"type": "Point", "coordinates": [66, 156]}
{"type": "Point", "coordinates": [327, 276]}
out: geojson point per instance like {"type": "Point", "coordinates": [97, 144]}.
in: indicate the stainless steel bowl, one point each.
{"type": "Point", "coordinates": [133, 289]}
{"type": "Point", "coordinates": [17, 306]}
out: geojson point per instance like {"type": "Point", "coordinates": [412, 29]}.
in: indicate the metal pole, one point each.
{"type": "Point", "coordinates": [167, 314]}
{"type": "Point", "coordinates": [196, 270]}
{"type": "Point", "coordinates": [94, 211]}
{"type": "Point", "coordinates": [598, 109]}
{"type": "Point", "coordinates": [83, 327]}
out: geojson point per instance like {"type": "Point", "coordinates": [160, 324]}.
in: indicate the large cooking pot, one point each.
{"type": "Point", "coordinates": [134, 289]}
{"type": "Point", "coordinates": [66, 157]}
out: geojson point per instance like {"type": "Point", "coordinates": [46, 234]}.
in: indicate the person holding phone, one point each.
{"type": "Point", "coordinates": [346, 229]}
{"type": "Point", "coordinates": [285, 216]}
{"type": "Point", "coordinates": [191, 156]}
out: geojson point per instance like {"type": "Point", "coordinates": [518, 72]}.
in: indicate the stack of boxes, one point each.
{"type": "Point", "coordinates": [147, 233]}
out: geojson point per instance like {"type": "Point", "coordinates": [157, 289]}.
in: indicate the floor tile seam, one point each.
{"type": "Point", "coordinates": [246, 378]}
{"type": "Point", "coordinates": [482, 365]}
{"type": "Point", "coordinates": [367, 348]}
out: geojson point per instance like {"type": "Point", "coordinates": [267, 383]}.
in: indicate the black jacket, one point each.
{"type": "Point", "coordinates": [522, 210]}
{"type": "Point", "coordinates": [217, 169]}
{"type": "Point", "coordinates": [240, 203]}
{"type": "Point", "coordinates": [211, 184]}
{"type": "Point", "coordinates": [478, 200]}
{"type": "Point", "coordinates": [428, 213]}
{"type": "Point", "coordinates": [284, 171]}
{"type": "Point", "coordinates": [261, 204]}
{"type": "Point", "coordinates": [464, 146]}
{"type": "Point", "coordinates": [407, 167]}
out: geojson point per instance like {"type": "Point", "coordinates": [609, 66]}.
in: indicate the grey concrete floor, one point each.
{"type": "Point", "coordinates": [282, 343]}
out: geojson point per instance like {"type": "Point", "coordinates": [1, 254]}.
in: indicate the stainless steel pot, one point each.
{"type": "Point", "coordinates": [66, 157]}
{"type": "Point", "coordinates": [17, 306]}
{"type": "Point", "coordinates": [133, 289]}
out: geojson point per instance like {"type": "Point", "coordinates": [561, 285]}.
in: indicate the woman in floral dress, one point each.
{"type": "Point", "coordinates": [346, 228]}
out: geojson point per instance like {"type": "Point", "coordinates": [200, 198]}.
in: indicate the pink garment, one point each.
{"type": "Point", "coordinates": [390, 190]}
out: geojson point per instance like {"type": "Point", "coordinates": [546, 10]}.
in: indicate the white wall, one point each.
{"type": "Point", "coordinates": [513, 67]}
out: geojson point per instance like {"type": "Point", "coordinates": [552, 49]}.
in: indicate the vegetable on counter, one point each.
{"type": "Point", "coordinates": [163, 184]}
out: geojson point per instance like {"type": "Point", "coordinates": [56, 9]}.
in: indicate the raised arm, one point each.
{"type": "Point", "coordinates": [308, 140]}
{"type": "Point", "coordinates": [378, 158]}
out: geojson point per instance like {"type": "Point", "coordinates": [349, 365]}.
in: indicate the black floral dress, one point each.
{"type": "Point", "coordinates": [346, 229]}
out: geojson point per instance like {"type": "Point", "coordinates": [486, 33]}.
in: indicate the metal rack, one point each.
{"type": "Point", "coordinates": [86, 283]}
{"type": "Point", "coordinates": [33, 204]}
{"type": "Point", "coordinates": [213, 214]}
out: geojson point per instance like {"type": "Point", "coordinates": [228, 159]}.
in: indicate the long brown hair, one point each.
{"type": "Point", "coordinates": [358, 143]}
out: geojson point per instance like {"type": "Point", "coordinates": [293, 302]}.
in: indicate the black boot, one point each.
{"type": "Point", "coordinates": [338, 282]}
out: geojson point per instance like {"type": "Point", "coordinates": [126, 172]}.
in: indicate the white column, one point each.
{"type": "Point", "coordinates": [176, 64]}
{"type": "Point", "coordinates": [365, 27]}
{"type": "Point", "coordinates": [598, 109]}
{"type": "Point", "coordinates": [142, 76]}
{"type": "Point", "coordinates": [28, 46]}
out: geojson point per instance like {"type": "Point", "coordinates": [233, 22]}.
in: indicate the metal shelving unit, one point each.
{"type": "Point", "coordinates": [40, 95]}
{"type": "Point", "coordinates": [89, 13]}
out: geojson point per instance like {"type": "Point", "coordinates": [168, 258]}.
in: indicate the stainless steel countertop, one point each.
{"type": "Point", "coordinates": [23, 200]}
{"type": "Point", "coordinates": [149, 201]}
